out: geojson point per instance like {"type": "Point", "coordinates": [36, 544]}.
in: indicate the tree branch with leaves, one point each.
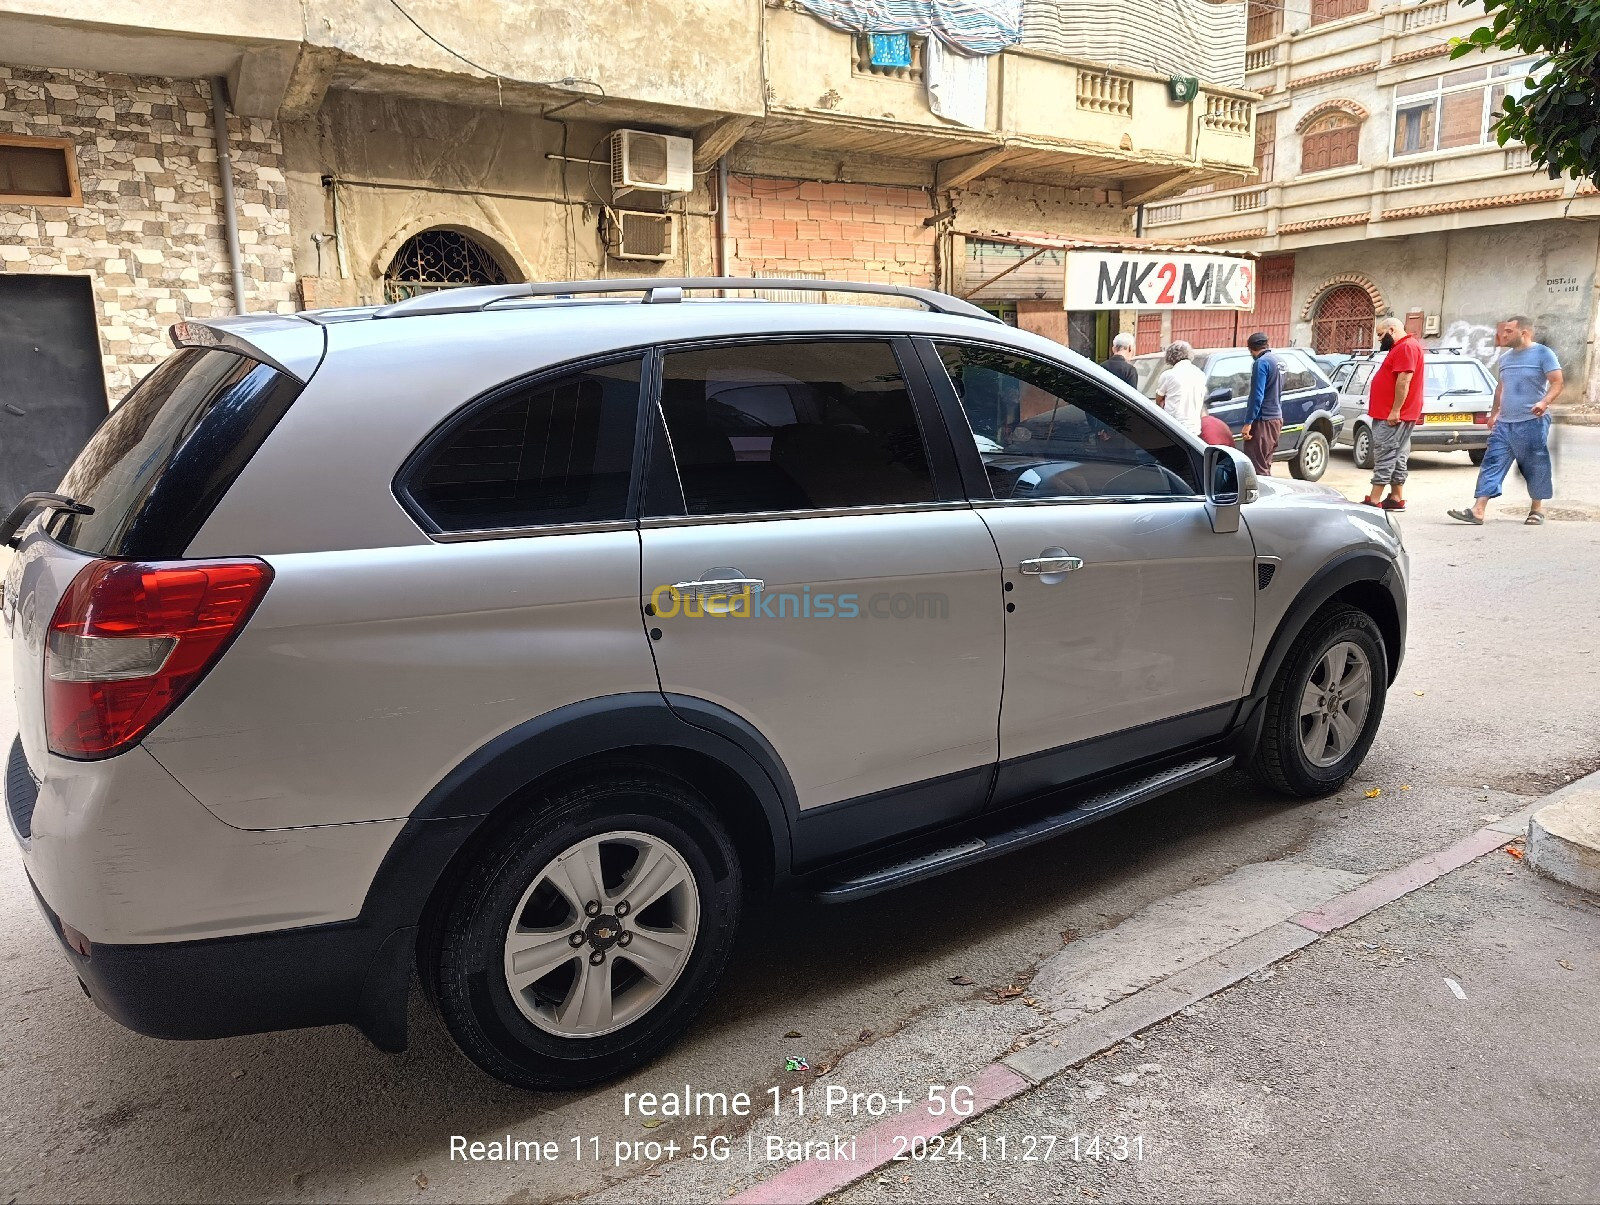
{"type": "Point", "coordinates": [1558, 116]}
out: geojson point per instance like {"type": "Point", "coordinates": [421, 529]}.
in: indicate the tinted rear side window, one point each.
{"type": "Point", "coordinates": [161, 461]}
{"type": "Point", "coordinates": [549, 451]}
{"type": "Point", "coordinates": [792, 426]}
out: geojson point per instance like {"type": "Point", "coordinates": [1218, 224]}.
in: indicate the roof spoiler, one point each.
{"type": "Point", "coordinates": [220, 333]}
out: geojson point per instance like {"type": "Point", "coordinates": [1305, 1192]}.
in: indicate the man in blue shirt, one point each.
{"type": "Point", "coordinates": [1263, 418]}
{"type": "Point", "coordinates": [1519, 424]}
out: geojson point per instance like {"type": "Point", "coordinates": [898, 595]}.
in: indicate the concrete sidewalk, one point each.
{"type": "Point", "coordinates": [1442, 1048]}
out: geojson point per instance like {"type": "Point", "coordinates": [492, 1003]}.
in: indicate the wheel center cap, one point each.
{"type": "Point", "coordinates": [603, 931]}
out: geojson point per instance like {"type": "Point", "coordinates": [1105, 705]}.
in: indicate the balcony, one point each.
{"type": "Point", "coordinates": [1482, 185]}
{"type": "Point", "coordinates": [1037, 116]}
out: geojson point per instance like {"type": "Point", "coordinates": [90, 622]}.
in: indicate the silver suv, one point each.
{"type": "Point", "coordinates": [518, 637]}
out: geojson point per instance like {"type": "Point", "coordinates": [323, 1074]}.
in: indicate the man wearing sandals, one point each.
{"type": "Point", "coordinates": [1519, 424]}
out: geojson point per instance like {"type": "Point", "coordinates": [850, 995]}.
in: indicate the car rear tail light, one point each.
{"type": "Point", "coordinates": [1481, 418]}
{"type": "Point", "coordinates": [129, 640]}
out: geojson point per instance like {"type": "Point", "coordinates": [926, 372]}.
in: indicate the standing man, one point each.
{"type": "Point", "coordinates": [1263, 419]}
{"type": "Point", "coordinates": [1120, 364]}
{"type": "Point", "coordinates": [1181, 391]}
{"type": "Point", "coordinates": [1395, 407]}
{"type": "Point", "coordinates": [1519, 424]}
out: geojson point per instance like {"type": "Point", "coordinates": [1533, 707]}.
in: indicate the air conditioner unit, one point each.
{"type": "Point", "coordinates": [638, 235]}
{"type": "Point", "coordinates": [651, 162]}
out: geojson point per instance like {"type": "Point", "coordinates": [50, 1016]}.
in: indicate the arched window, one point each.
{"type": "Point", "coordinates": [439, 259]}
{"type": "Point", "coordinates": [1344, 320]}
{"type": "Point", "coordinates": [1332, 140]}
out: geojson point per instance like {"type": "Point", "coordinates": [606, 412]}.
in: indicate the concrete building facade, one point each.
{"type": "Point", "coordinates": [1381, 188]}
{"type": "Point", "coordinates": [379, 152]}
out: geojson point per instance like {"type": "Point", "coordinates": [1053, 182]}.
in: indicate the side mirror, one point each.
{"type": "Point", "coordinates": [1230, 483]}
{"type": "Point", "coordinates": [1220, 394]}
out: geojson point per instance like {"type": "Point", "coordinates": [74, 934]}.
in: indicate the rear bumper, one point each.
{"type": "Point", "coordinates": [1449, 439]}
{"type": "Point", "coordinates": [222, 987]}
{"type": "Point", "coordinates": [1431, 439]}
{"type": "Point", "coordinates": [180, 926]}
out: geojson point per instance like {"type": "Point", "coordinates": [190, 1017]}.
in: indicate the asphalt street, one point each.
{"type": "Point", "coordinates": [1497, 704]}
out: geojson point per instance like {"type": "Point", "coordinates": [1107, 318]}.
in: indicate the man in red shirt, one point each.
{"type": "Point", "coordinates": [1395, 406]}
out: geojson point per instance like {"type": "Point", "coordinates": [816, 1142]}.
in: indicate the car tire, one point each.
{"type": "Point", "coordinates": [1361, 447]}
{"type": "Point", "coordinates": [1476, 455]}
{"type": "Point", "coordinates": [596, 1013]}
{"type": "Point", "coordinates": [1305, 750]}
{"type": "Point", "coordinates": [1311, 458]}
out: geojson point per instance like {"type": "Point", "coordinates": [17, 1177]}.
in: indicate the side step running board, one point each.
{"type": "Point", "coordinates": [1041, 828]}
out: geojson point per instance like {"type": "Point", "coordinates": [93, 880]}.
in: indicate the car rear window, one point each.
{"type": "Point", "coordinates": [1454, 377]}
{"type": "Point", "coordinates": [160, 462]}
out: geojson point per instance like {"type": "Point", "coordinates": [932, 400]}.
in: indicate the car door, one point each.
{"type": "Point", "coordinates": [1228, 387]}
{"type": "Point", "coordinates": [1353, 402]}
{"type": "Point", "coordinates": [815, 569]}
{"type": "Point", "coordinates": [1303, 392]}
{"type": "Point", "coordinates": [1124, 609]}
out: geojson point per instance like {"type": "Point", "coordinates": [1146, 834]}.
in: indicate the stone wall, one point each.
{"type": "Point", "coordinates": [149, 232]}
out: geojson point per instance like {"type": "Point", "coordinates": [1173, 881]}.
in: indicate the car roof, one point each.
{"type": "Point", "coordinates": [495, 344]}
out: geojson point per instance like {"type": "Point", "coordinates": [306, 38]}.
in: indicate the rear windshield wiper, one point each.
{"type": "Point", "coordinates": [1455, 392]}
{"type": "Point", "coordinates": [24, 510]}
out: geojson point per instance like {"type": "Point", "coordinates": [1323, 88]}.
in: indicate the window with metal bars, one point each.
{"type": "Point", "coordinates": [439, 259]}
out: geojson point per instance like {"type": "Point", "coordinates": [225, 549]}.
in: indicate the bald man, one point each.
{"type": "Point", "coordinates": [1395, 407]}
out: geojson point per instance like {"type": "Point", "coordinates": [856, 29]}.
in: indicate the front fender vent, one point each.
{"type": "Point", "coordinates": [1265, 568]}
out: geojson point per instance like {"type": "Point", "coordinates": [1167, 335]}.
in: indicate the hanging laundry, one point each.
{"type": "Point", "coordinates": [974, 26]}
{"type": "Point", "coordinates": [958, 85]}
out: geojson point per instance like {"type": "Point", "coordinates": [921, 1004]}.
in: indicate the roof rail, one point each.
{"type": "Point", "coordinates": [666, 289]}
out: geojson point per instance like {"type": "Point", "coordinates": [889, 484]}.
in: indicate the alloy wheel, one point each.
{"type": "Point", "coordinates": [601, 934]}
{"type": "Point", "coordinates": [1334, 704]}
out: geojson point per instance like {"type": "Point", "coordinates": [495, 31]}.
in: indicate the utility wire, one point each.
{"type": "Point", "coordinates": [564, 82]}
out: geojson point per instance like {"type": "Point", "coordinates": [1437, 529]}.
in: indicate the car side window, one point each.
{"type": "Point", "coordinates": [1297, 374]}
{"type": "Point", "coordinates": [792, 425]}
{"type": "Point", "coordinates": [543, 452]}
{"type": "Point", "coordinates": [1231, 373]}
{"type": "Point", "coordinates": [1362, 378]}
{"type": "Point", "coordinates": [1046, 432]}
{"type": "Point", "coordinates": [1342, 375]}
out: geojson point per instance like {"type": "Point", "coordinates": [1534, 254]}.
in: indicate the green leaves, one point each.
{"type": "Point", "coordinates": [1559, 116]}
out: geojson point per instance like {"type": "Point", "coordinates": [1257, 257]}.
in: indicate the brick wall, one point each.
{"type": "Point", "coordinates": [149, 232]}
{"type": "Point", "coordinates": [844, 231]}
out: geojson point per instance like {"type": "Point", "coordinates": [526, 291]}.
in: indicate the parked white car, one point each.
{"type": "Point", "coordinates": [1457, 395]}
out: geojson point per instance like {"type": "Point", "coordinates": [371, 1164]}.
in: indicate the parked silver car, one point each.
{"type": "Point", "coordinates": [515, 637]}
{"type": "Point", "coordinates": [1457, 395]}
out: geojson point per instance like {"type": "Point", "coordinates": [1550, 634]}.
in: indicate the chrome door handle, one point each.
{"type": "Point", "coordinates": [1052, 564]}
{"type": "Point", "coordinates": [721, 585]}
